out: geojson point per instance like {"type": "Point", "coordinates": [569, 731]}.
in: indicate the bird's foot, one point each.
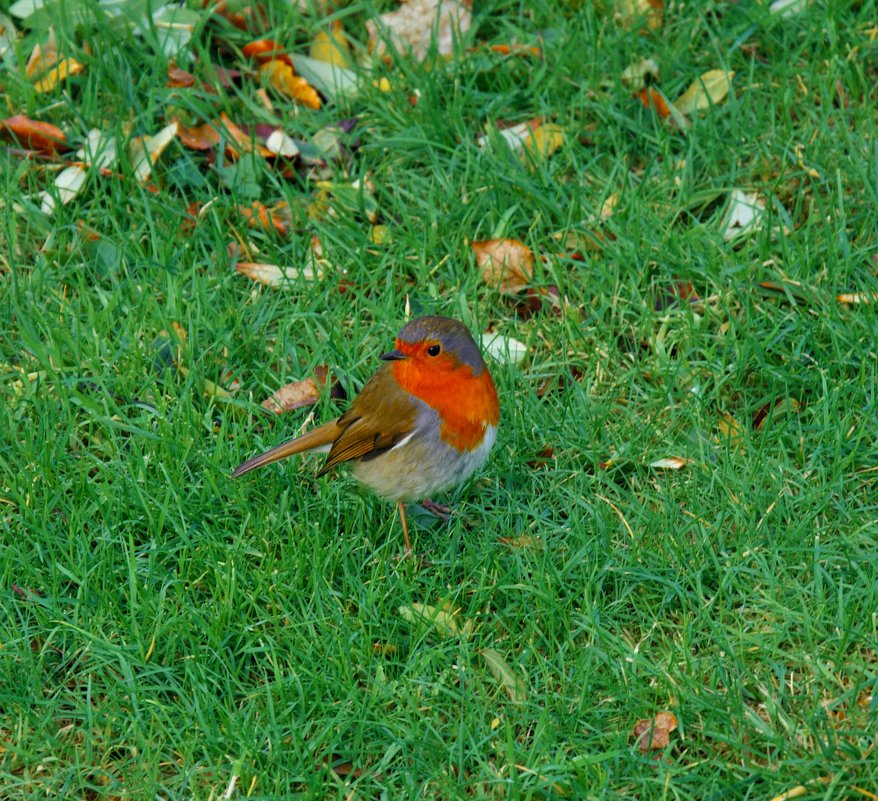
{"type": "Point", "coordinates": [442, 512]}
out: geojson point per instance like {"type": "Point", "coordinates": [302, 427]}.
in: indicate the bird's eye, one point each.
{"type": "Point", "coordinates": [434, 350]}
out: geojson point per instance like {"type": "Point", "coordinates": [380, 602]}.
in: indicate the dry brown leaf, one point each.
{"type": "Point", "coordinates": [296, 394]}
{"type": "Point", "coordinates": [654, 735]}
{"type": "Point", "coordinates": [412, 26]}
{"type": "Point", "coordinates": [179, 79]}
{"type": "Point", "coordinates": [706, 91]}
{"type": "Point", "coordinates": [198, 137]}
{"type": "Point", "coordinates": [506, 264]}
{"type": "Point", "coordinates": [35, 135]}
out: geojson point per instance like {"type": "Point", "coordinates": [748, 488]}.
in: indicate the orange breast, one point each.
{"type": "Point", "coordinates": [466, 403]}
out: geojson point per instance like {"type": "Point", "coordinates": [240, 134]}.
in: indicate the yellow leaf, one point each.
{"type": "Point", "coordinates": [285, 81]}
{"type": "Point", "coordinates": [332, 46]}
{"type": "Point", "coordinates": [69, 66]}
{"type": "Point", "coordinates": [708, 90]}
{"type": "Point", "coordinates": [512, 684]}
{"type": "Point", "coordinates": [443, 617]}
{"type": "Point", "coordinates": [544, 141]}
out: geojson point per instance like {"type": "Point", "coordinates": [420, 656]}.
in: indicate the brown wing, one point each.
{"type": "Point", "coordinates": [381, 415]}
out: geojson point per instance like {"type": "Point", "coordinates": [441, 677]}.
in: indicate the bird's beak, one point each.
{"type": "Point", "coordinates": [392, 356]}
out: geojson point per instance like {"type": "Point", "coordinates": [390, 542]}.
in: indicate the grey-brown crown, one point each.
{"type": "Point", "coordinates": [452, 335]}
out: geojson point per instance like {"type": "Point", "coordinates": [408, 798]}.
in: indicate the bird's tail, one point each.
{"type": "Point", "coordinates": [320, 438]}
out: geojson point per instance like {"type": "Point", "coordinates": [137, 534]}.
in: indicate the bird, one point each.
{"type": "Point", "coordinates": [422, 424]}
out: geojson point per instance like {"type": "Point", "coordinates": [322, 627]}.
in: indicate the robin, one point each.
{"type": "Point", "coordinates": [422, 424]}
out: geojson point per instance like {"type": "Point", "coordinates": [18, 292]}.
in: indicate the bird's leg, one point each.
{"type": "Point", "coordinates": [442, 512]}
{"type": "Point", "coordinates": [405, 527]}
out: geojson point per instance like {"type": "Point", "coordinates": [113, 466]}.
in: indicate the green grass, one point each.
{"type": "Point", "coordinates": [165, 631]}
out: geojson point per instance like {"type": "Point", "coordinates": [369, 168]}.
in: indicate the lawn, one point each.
{"type": "Point", "coordinates": [680, 513]}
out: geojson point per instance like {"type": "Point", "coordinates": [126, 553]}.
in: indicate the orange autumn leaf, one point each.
{"type": "Point", "coordinates": [265, 50]}
{"type": "Point", "coordinates": [198, 137]}
{"type": "Point", "coordinates": [259, 216]}
{"type": "Point", "coordinates": [517, 50]}
{"type": "Point", "coordinates": [35, 135]}
{"type": "Point", "coordinates": [653, 99]}
{"type": "Point", "coordinates": [283, 78]}
{"type": "Point", "coordinates": [506, 264]}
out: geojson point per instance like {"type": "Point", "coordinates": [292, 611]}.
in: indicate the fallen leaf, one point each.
{"type": "Point", "coordinates": [8, 35]}
{"type": "Point", "coordinates": [507, 265]}
{"type": "Point", "coordinates": [294, 395]}
{"type": "Point", "coordinates": [635, 75]}
{"type": "Point", "coordinates": [282, 77]}
{"type": "Point", "coordinates": [629, 13]}
{"type": "Point", "coordinates": [198, 137]}
{"type": "Point", "coordinates": [515, 135]}
{"type": "Point", "coordinates": [99, 150]}
{"type": "Point", "coordinates": [706, 91]}
{"type": "Point", "coordinates": [857, 297]}
{"type": "Point", "coordinates": [259, 216]}
{"type": "Point", "coordinates": [35, 135]}
{"type": "Point", "coordinates": [275, 276]}
{"type": "Point", "coordinates": [788, 8]}
{"type": "Point", "coordinates": [442, 617]}
{"type": "Point", "coordinates": [652, 98]}
{"type": "Point", "coordinates": [512, 684]}
{"type": "Point", "coordinates": [42, 58]}
{"type": "Point", "coordinates": [331, 80]}
{"type": "Point", "coordinates": [173, 26]}
{"type": "Point", "coordinates": [543, 141]}
{"type": "Point", "coordinates": [524, 541]}
{"type": "Point", "coordinates": [281, 145]}
{"type": "Point", "coordinates": [64, 69]}
{"type": "Point", "coordinates": [414, 23]}
{"type": "Point", "coordinates": [654, 735]}
{"type": "Point", "coordinates": [773, 409]}
{"type": "Point", "coordinates": [503, 350]}
{"type": "Point", "coordinates": [729, 429]}
{"type": "Point", "coordinates": [516, 49]}
{"type": "Point", "coordinates": [332, 47]}
{"type": "Point", "coordinates": [265, 50]}
{"type": "Point", "coordinates": [68, 184]}
{"type": "Point", "coordinates": [744, 214]}
{"type": "Point", "coordinates": [145, 151]}
{"type": "Point", "coordinates": [669, 463]}
{"type": "Point", "coordinates": [179, 79]}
